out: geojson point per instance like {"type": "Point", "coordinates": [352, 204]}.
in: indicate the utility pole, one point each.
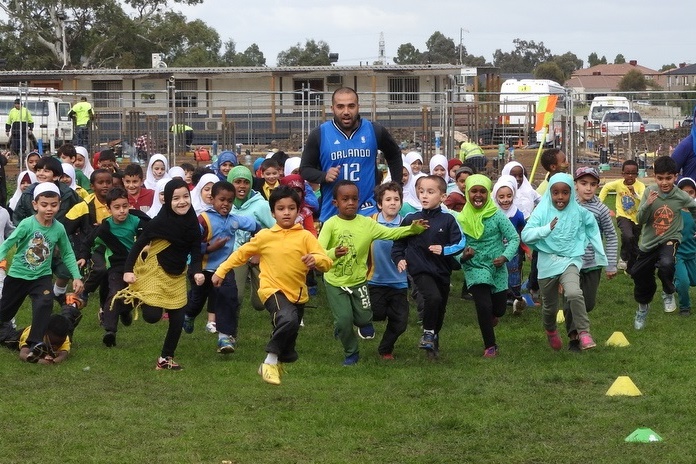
{"type": "Point", "coordinates": [461, 43]}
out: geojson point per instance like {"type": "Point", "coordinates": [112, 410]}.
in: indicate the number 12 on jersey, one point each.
{"type": "Point", "coordinates": [351, 172]}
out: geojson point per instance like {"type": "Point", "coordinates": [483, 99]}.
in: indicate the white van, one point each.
{"type": "Point", "coordinates": [50, 115]}
{"type": "Point", "coordinates": [600, 105]}
{"type": "Point", "coordinates": [518, 100]}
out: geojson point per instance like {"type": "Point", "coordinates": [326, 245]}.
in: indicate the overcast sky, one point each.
{"type": "Point", "coordinates": [652, 32]}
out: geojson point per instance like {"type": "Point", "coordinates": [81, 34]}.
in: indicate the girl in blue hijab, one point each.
{"type": "Point", "coordinates": [560, 230]}
{"type": "Point", "coordinates": [224, 164]}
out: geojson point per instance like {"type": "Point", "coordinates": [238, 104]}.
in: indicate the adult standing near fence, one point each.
{"type": "Point", "coordinates": [21, 125]}
{"type": "Point", "coordinates": [83, 115]}
{"type": "Point", "coordinates": [345, 148]}
{"type": "Point", "coordinates": [186, 130]}
{"type": "Point", "coordinates": [473, 155]}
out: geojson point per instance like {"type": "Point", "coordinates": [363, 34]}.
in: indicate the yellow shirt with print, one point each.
{"type": "Point", "coordinates": [627, 201]}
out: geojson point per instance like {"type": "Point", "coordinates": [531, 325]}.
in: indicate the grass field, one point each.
{"type": "Point", "coordinates": [530, 405]}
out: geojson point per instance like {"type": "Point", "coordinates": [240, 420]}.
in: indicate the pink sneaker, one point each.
{"type": "Point", "coordinates": [586, 341]}
{"type": "Point", "coordinates": [554, 340]}
{"type": "Point", "coordinates": [491, 352]}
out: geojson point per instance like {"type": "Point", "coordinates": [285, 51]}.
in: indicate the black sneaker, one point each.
{"type": "Point", "coordinates": [574, 345]}
{"type": "Point", "coordinates": [37, 352]}
{"type": "Point", "coordinates": [109, 339]}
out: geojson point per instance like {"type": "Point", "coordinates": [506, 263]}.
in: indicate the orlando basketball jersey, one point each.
{"type": "Point", "coordinates": [356, 156]}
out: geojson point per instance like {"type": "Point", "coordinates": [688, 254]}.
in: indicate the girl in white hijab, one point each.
{"type": "Point", "coordinates": [438, 167]}
{"type": "Point", "coordinates": [411, 202]}
{"type": "Point", "coordinates": [177, 171]}
{"type": "Point", "coordinates": [157, 198]}
{"type": "Point", "coordinates": [151, 178]}
{"type": "Point", "coordinates": [201, 198]}
{"type": "Point", "coordinates": [24, 180]}
{"type": "Point", "coordinates": [291, 164]}
{"type": "Point", "coordinates": [526, 198]}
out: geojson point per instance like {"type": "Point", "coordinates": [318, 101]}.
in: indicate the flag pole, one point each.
{"type": "Point", "coordinates": [538, 155]}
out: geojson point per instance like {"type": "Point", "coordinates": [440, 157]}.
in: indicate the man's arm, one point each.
{"type": "Point", "coordinates": [391, 150]}
{"type": "Point", "coordinates": [310, 163]}
{"type": "Point", "coordinates": [682, 153]}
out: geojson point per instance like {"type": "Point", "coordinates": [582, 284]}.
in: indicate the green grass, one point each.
{"type": "Point", "coordinates": [530, 405]}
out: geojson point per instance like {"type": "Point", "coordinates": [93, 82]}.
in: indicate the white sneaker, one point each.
{"type": "Point", "coordinates": [669, 302]}
{"type": "Point", "coordinates": [641, 315]}
{"type": "Point", "coordinates": [621, 266]}
{"type": "Point", "coordinates": [211, 327]}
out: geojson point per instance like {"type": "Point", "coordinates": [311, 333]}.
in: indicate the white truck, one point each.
{"type": "Point", "coordinates": [50, 114]}
{"type": "Point", "coordinates": [518, 100]}
{"type": "Point", "coordinates": [600, 105]}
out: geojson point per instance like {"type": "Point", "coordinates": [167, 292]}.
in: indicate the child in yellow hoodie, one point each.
{"type": "Point", "coordinates": [288, 252]}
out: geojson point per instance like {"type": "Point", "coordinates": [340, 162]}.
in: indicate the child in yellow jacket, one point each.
{"type": "Point", "coordinates": [288, 252]}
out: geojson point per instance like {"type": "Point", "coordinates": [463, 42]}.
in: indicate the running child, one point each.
{"type": "Point", "coordinates": [157, 282]}
{"type": "Point", "coordinates": [218, 228]}
{"type": "Point", "coordinates": [250, 203]}
{"type": "Point", "coordinates": [491, 241]}
{"type": "Point", "coordinates": [271, 175]}
{"type": "Point", "coordinates": [629, 191]}
{"type": "Point", "coordinates": [287, 252]}
{"type": "Point", "coordinates": [157, 169]}
{"type": "Point", "coordinates": [29, 275]}
{"type": "Point", "coordinates": [429, 257]}
{"type": "Point", "coordinates": [660, 218]}
{"type": "Point", "coordinates": [685, 268]}
{"type": "Point", "coordinates": [114, 238]}
{"type": "Point", "coordinates": [388, 287]}
{"type": "Point", "coordinates": [526, 198]}
{"type": "Point", "coordinates": [348, 237]}
{"type": "Point", "coordinates": [139, 197]}
{"type": "Point", "coordinates": [503, 196]}
{"type": "Point", "coordinates": [560, 230]}
{"type": "Point", "coordinates": [586, 184]}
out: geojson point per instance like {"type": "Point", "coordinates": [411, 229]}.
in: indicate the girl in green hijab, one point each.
{"type": "Point", "coordinates": [491, 242]}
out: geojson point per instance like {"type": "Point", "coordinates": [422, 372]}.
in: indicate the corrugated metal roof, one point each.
{"type": "Point", "coordinates": [58, 73]}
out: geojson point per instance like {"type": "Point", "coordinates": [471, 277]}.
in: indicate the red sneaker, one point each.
{"type": "Point", "coordinates": [554, 340]}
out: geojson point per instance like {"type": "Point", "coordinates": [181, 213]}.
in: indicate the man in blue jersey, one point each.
{"type": "Point", "coordinates": [345, 148]}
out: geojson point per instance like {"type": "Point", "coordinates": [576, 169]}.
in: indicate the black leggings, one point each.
{"type": "Point", "coordinates": [153, 314]}
{"type": "Point", "coordinates": [488, 305]}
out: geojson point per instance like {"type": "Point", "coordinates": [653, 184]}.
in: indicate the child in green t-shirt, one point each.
{"type": "Point", "coordinates": [30, 273]}
{"type": "Point", "coordinates": [347, 237]}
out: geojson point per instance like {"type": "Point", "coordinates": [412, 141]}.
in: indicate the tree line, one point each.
{"type": "Point", "coordinates": [45, 34]}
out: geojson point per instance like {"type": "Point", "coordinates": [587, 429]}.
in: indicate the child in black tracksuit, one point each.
{"type": "Point", "coordinates": [428, 257]}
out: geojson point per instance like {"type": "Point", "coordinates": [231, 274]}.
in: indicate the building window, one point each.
{"type": "Point", "coordinates": [404, 89]}
{"type": "Point", "coordinates": [186, 93]}
{"type": "Point", "coordinates": [311, 91]}
{"type": "Point", "coordinates": [107, 94]}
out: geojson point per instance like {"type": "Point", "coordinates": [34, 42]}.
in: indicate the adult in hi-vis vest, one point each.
{"type": "Point", "coordinates": [346, 148]}
{"type": "Point", "coordinates": [20, 124]}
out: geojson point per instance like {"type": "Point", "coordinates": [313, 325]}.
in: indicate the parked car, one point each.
{"type": "Point", "coordinates": [617, 122]}
{"type": "Point", "coordinates": [652, 127]}
{"type": "Point", "coordinates": [688, 121]}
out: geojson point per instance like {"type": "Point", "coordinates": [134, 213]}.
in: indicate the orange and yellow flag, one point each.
{"type": "Point", "coordinates": [545, 109]}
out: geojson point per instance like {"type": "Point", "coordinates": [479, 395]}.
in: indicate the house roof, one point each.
{"type": "Point", "coordinates": [686, 70]}
{"type": "Point", "coordinates": [594, 83]}
{"type": "Point", "coordinates": [613, 70]}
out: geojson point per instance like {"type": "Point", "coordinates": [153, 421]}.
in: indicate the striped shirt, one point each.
{"type": "Point", "coordinates": [608, 232]}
